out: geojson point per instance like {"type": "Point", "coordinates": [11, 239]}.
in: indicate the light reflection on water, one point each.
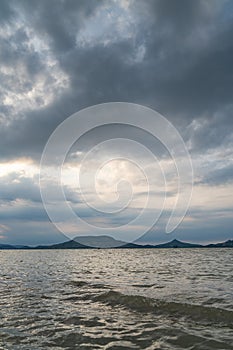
{"type": "Point", "coordinates": [116, 299]}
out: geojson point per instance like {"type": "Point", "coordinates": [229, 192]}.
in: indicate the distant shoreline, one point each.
{"type": "Point", "coordinates": [106, 242]}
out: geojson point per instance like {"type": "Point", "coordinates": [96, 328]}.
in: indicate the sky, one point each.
{"type": "Point", "coordinates": [58, 57]}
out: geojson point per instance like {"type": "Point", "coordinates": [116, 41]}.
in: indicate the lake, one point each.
{"type": "Point", "coordinates": [116, 299]}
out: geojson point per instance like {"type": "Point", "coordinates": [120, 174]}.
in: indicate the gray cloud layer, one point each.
{"type": "Point", "coordinates": [185, 70]}
{"type": "Point", "coordinates": [58, 57]}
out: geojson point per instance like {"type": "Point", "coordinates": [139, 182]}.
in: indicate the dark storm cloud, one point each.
{"type": "Point", "coordinates": [194, 74]}
{"type": "Point", "coordinates": [6, 11]}
{"type": "Point", "coordinates": [181, 15]}
{"type": "Point", "coordinates": [59, 20]}
{"type": "Point", "coordinates": [184, 73]}
{"type": "Point", "coordinates": [206, 134]}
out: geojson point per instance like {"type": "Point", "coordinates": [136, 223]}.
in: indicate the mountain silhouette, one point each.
{"type": "Point", "coordinates": [178, 244]}
{"type": "Point", "coordinates": [95, 242]}
{"type": "Point", "coordinates": [99, 241]}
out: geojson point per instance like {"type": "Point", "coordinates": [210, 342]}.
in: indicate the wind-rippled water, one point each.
{"type": "Point", "coordinates": [116, 299]}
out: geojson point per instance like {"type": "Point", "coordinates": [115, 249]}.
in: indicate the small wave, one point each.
{"type": "Point", "coordinates": [83, 284]}
{"type": "Point", "coordinates": [144, 304]}
{"type": "Point", "coordinates": [143, 285]}
{"type": "Point", "coordinates": [78, 283]}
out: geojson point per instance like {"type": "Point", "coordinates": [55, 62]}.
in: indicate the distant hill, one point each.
{"type": "Point", "coordinates": [72, 244]}
{"type": "Point", "coordinates": [131, 245]}
{"type": "Point", "coordinates": [7, 246]}
{"type": "Point", "coordinates": [227, 244]}
{"type": "Point", "coordinates": [136, 246]}
{"type": "Point", "coordinates": [99, 241]}
{"type": "Point", "coordinates": [95, 242]}
{"type": "Point", "coordinates": [177, 244]}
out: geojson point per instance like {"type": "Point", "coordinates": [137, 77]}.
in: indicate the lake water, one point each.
{"type": "Point", "coordinates": [116, 299]}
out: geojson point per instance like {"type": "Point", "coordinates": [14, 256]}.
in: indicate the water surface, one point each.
{"type": "Point", "coordinates": [116, 299]}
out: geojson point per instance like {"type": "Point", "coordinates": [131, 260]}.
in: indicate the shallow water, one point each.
{"type": "Point", "coordinates": [116, 299]}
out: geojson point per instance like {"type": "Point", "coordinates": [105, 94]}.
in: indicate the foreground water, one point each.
{"type": "Point", "coordinates": [116, 299]}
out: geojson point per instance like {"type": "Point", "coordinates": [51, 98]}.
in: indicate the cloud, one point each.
{"type": "Point", "coordinates": [221, 176]}
{"type": "Point", "coordinates": [6, 12]}
{"type": "Point", "coordinates": [59, 21]}
{"type": "Point", "coordinates": [58, 57]}
{"type": "Point", "coordinates": [16, 186]}
{"type": "Point", "coordinates": [183, 73]}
